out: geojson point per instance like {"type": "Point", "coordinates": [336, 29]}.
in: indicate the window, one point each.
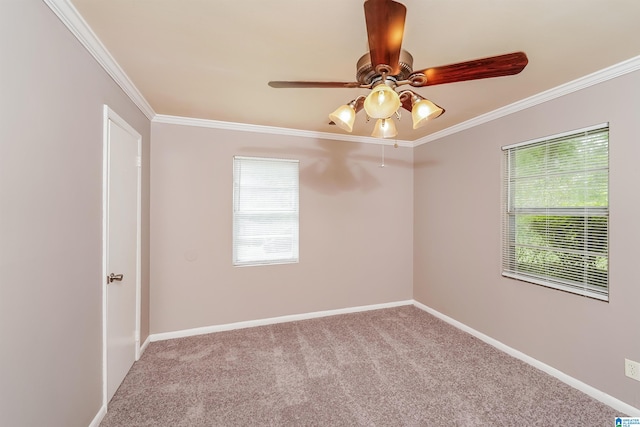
{"type": "Point", "coordinates": [265, 211]}
{"type": "Point", "coordinates": [556, 212]}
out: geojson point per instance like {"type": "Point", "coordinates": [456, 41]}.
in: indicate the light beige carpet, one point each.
{"type": "Point", "coordinates": [391, 367]}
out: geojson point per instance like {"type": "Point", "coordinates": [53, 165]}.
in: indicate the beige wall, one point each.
{"type": "Point", "coordinates": [52, 92]}
{"type": "Point", "coordinates": [356, 222]}
{"type": "Point", "coordinates": [457, 241]}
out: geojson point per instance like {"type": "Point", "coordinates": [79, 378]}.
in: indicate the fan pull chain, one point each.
{"type": "Point", "coordinates": [382, 164]}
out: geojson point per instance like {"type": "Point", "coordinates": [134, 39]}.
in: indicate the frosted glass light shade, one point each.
{"type": "Point", "coordinates": [384, 128]}
{"type": "Point", "coordinates": [344, 117]}
{"type": "Point", "coordinates": [382, 102]}
{"type": "Point", "coordinates": [423, 111]}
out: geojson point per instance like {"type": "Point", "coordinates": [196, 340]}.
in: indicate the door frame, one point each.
{"type": "Point", "coordinates": [110, 115]}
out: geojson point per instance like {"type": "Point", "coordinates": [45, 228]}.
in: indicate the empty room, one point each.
{"type": "Point", "coordinates": [319, 213]}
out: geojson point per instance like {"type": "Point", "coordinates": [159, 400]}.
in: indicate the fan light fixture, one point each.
{"type": "Point", "coordinates": [345, 116]}
{"type": "Point", "coordinates": [423, 110]}
{"type": "Point", "coordinates": [384, 128]}
{"type": "Point", "coordinates": [381, 102]}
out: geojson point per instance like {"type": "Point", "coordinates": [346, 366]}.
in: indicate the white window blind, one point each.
{"type": "Point", "coordinates": [556, 212]}
{"type": "Point", "coordinates": [265, 211]}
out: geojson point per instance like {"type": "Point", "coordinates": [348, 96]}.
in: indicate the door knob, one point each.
{"type": "Point", "coordinates": [117, 277]}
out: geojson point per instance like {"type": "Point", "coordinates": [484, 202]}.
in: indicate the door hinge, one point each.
{"type": "Point", "coordinates": [139, 162]}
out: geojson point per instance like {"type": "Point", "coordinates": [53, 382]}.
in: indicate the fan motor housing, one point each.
{"type": "Point", "coordinates": [366, 73]}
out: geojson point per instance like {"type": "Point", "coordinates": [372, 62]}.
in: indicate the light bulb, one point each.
{"type": "Point", "coordinates": [423, 111]}
{"type": "Point", "coordinates": [382, 102]}
{"type": "Point", "coordinates": [384, 128]}
{"type": "Point", "coordinates": [344, 117]}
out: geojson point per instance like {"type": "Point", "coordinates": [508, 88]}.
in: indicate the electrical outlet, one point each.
{"type": "Point", "coordinates": [632, 369]}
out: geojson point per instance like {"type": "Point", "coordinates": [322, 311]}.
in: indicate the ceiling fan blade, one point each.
{"type": "Point", "coordinates": [483, 68]}
{"type": "Point", "coordinates": [406, 102]}
{"type": "Point", "coordinates": [385, 29]}
{"type": "Point", "coordinates": [299, 84]}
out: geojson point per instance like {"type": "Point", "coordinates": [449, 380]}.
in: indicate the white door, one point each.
{"type": "Point", "coordinates": [122, 224]}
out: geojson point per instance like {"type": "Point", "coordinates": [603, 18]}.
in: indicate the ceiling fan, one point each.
{"type": "Point", "coordinates": [387, 66]}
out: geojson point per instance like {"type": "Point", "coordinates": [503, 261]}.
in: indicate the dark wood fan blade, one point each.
{"type": "Point", "coordinates": [406, 103]}
{"type": "Point", "coordinates": [483, 68]}
{"type": "Point", "coordinates": [286, 84]}
{"type": "Point", "coordinates": [385, 29]}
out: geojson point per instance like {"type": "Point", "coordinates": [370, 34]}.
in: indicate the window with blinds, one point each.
{"type": "Point", "coordinates": [265, 211]}
{"type": "Point", "coordinates": [556, 212]}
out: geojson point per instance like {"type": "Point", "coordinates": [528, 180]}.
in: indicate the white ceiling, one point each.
{"type": "Point", "coordinates": [212, 59]}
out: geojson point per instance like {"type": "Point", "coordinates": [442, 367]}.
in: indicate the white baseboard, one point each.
{"type": "Point", "coordinates": [144, 345]}
{"type": "Point", "coordinates": [99, 416]}
{"type": "Point", "coordinates": [603, 397]}
{"type": "Point", "coordinates": [103, 410]}
{"type": "Point", "coordinates": [270, 321]}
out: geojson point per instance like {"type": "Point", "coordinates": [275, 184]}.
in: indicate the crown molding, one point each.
{"type": "Point", "coordinates": [216, 124]}
{"type": "Point", "coordinates": [70, 17]}
{"type": "Point", "coordinates": [592, 79]}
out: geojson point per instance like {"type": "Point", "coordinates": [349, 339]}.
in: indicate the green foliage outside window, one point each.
{"type": "Point", "coordinates": [542, 245]}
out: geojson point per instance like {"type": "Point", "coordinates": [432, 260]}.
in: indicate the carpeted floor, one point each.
{"type": "Point", "coordinates": [391, 367]}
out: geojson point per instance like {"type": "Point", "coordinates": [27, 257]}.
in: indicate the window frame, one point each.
{"type": "Point", "coordinates": [240, 217]}
{"type": "Point", "coordinates": [571, 216]}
